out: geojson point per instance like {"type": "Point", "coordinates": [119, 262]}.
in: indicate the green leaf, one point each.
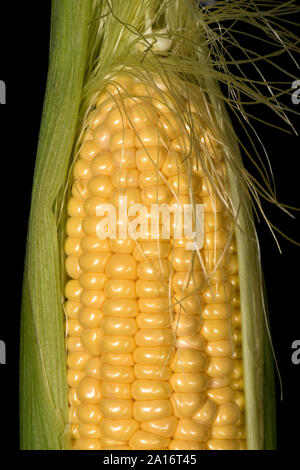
{"type": "Point", "coordinates": [43, 384]}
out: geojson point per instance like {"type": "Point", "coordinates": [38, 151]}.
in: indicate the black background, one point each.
{"type": "Point", "coordinates": [24, 41]}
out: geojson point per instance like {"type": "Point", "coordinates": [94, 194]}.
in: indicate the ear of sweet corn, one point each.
{"type": "Point", "coordinates": [163, 347]}
{"type": "Point", "coordinates": [153, 327]}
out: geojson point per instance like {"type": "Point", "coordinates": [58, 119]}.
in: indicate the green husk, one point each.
{"type": "Point", "coordinates": [43, 388]}
{"type": "Point", "coordinates": [91, 42]}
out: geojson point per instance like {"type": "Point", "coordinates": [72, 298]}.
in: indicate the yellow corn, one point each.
{"type": "Point", "coordinates": [153, 328]}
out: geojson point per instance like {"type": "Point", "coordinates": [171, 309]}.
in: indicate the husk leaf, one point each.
{"type": "Point", "coordinates": [43, 387]}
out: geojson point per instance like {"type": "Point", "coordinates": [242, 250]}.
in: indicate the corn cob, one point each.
{"type": "Point", "coordinates": [154, 330]}
{"type": "Point", "coordinates": [165, 336]}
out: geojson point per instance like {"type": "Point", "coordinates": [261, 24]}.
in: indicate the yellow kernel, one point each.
{"type": "Point", "coordinates": [73, 397]}
{"type": "Point", "coordinates": [146, 372]}
{"type": "Point", "coordinates": [82, 169]}
{"type": "Point", "coordinates": [161, 427]}
{"type": "Point", "coordinates": [119, 326]}
{"type": "Point", "coordinates": [124, 158]}
{"type": "Point", "coordinates": [220, 293]}
{"type": "Point", "coordinates": [222, 444]}
{"type": "Point", "coordinates": [183, 260]}
{"type": "Point", "coordinates": [187, 282]}
{"type": "Point", "coordinates": [102, 136]}
{"type": "Point", "coordinates": [88, 150]}
{"type": "Point", "coordinates": [75, 207]}
{"type": "Point", "coordinates": [117, 374]}
{"type": "Point", "coordinates": [87, 444]}
{"type": "Point", "coordinates": [95, 118]}
{"type": "Point", "coordinates": [90, 280]}
{"type": "Point", "coordinates": [242, 444]}
{"type": "Point", "coordinates": [89, 431]}
{"type": "Point", "coordinates": [184, 382]}
{"type": "Point", "coordinates": [177, 444]}
{"type": "Point", "coordinates": [219, 367]}
{"type": "Point", "coordinates": [153, 306]}
{"type": "Point", "coordinates": [93, 367]}
{"type": "Point", "coordinates": [154, 337]}
{"type": "Point", "coordinates": [74, 344]}
{"type": "Point", "coordinates": [116, 390]}
{"type": "Point", "coordinates": [92, 299]}
{"type": "Point", "coordinates": [221, 395]}
{"type": "Point", "coordinates": [124, 178]}
{"type": "Point", "coordinates": [125, 246]}
{"type": "Point", "coordinates": [120, 307]}
{"type": "Point", "coordinates": [182, 144]}
{"type": "Point", "coordinates": [151, 409]}
{"type": "Point", "coordinates": [150, 390]}
{"type": "Point", "coordinates": [150, 178]}
{"type": "Point", "coordinates": [120, 429]}
{"type": "Point", "coordinates": [102, 164]}
{"type": "Point", "coordinates": [75, 431]}
{"type": "Point", "coordinates": [153, 356]}
{"type": "Point", "coordinates": [155, 320]}
{"type": "Point", "coordinates": [217, 311]}
{"type": "Point", "coordinates": [141, 115]}
{"type": "Point", "coordinates": [121, 266]}
{"type": "Point", "coordinates": [190, 342]}
{"type": "Point", "coordinates": [89, 414]}
{"type": "Point", "coordinates": [73, 290]}
{"type": "Point", "coordinates": [72, 267]}
{"type": "Point", "coordinates": [89, 390]}
{"type": "Point", "coordinates": [143, 440]}
{"type": "Point", "coordinates": [89, 318]}
{"type": "Point", "coordinates": [72, 246]}
{"type": "Point", "coordinates": [116, 119]}
{"type": "Point", "coordinates": [237, 371]}
{"type": "Point", "coordinates": [215, 330]}
{"type": "Point", "coordinates": [122, 139]}
{"type": "Point", "coordinates": [188, 360]}
{"type": "Point", "coordinates": [171, 124]}
{"type": "Point", "coordinates": [151, 289]}
{"type": "Point", "coordinates": [187, 404]}
{"type": "Point", "coordinates": [116, 408]}
{"type": "Point", "coordinates": [124, 289]}
{"type": "Point", "coordinates": [228, 414]}
{"type": "Point", "coordinates": [185, 325]}
{"type": "Point", "coordinates": [79, 189]}
{"type": "Point", "coordinates": [74, 377]}
{"type": "Point", "coordinates": [100, 185]}
{"type": "Point", "coordinates": [152, 250]}
{"type": "Point", "coordinates": [77, 360]}
{"type": "Point", "coordinates": [74, 227]}
{"type": "Point", "coordinates": [188, 305]}
{"type": "Point", "coordinates": [157, 194]}
{"type": "Point", "coordinates": [90, 339]}
{"type": "Point", "coordinates": [150, 158]}
{"type": "Point", "coordinates": [151, 136]}
{"type": "Point", "coordinates": [189, 430]}
{"type": "Point", "coordinates": [118, 359]}
{"type": "Point", "coordinates": [94, 245]}
{"type": "Point", "coordinates": [117, 344]}
{"type": "Point", "coordinates": [206, 414]}
{"type": "Point", "coordinates": [224, 432]}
